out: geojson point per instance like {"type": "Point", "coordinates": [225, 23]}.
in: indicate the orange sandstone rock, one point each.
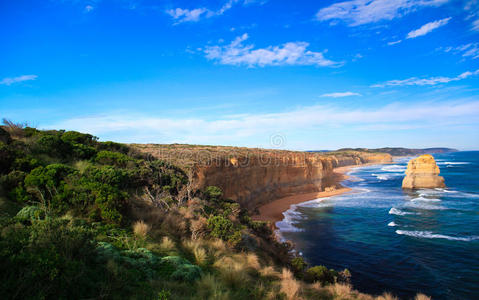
{"type": "Point", "coordinates": [422, 172]}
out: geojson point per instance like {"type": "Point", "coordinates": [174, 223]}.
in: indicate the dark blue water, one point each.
{"type": "Point", "coordinates": [391, 240]}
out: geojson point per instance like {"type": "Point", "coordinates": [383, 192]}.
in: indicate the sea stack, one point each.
{"type": "Point", "coordinates": [422, 172]}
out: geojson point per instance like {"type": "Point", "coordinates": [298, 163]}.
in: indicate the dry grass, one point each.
{"type": "Point", "coordinates": [201, 257]}
{"type": "Point", "coordinates": [341, 291]}
{"type": "Point", "coordinates": [208, 287]}
{"type": "Point", "coordinates": [198, 228]}
{"type": "Point", "coordinates": [386, 296]}
{"type": "Point", "coordinates": [198, 250]}
{"type": "Point", "coordinates": [422, 297]}
{"type": "Point", "coordinates": [141, 229]}
{"type": "Point", "coordinates": [232, 272]}
{"type": "Point", "coordinates": [269, 271]}
{"type": "Point", "coordinates": [82, 165]}
{"type": "Point", "coordinates": [167, 245]}
{"type": "Point", "coordinates": [252, 261]}
{"type": "Point", "coordinates": [289, 286]}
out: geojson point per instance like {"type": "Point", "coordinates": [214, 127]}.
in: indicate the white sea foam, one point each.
{"type": "Point", "coordinates": [398, 212]}
{"type": "Point", "coordinates": [445, 190]}
{"type": "Point", "coordinates": [394, 168]}
{"type": "Point", "coordinates": [380, 176]}
{"type": "Point", "coordinates": [291, 216]}
{"type": "Point", "coordinates": [392, 224]}
{"type": "Point", "coordinates": [425, 206]}
{"type": "Point", "coordinates": [430, 235]}
{"type": "Point", "coordinates": [422, 198]}
{"type": "Point", "coordinates": [454, 163]}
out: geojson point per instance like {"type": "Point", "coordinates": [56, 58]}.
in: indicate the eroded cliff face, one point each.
{"type": "Point", "coordinates": [422, 172]}
{"type": "Point", "coordinates": [256, 176]}
{"type": "Point", "coordinates": [258, 180]}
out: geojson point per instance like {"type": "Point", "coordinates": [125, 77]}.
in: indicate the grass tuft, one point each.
{"type": "Point", "coordinates": [141, 229]}
{"type": "Point", "coordinates": [289, 286]}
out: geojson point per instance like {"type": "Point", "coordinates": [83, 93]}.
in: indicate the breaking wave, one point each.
{"type": "Point", "coordinates": [291, 217]}
{"type": "Point", "coordinates": [430, 235]}
{"type": "Point", "coordinates": [394, 168]}
{"type": "Point", "coordinates": [392, 224]}
{"type": "Point", "coordinates": [398, 212]}
{"type": "Point", "coordinates": [421, 198]}
{"type": "Point", "coordinates": [380, 176]}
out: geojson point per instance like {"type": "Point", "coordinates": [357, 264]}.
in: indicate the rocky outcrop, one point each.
{"type": "Point", "coordinates": [254, 177]}
{"type": "Point", "coordinates": [422, 172]}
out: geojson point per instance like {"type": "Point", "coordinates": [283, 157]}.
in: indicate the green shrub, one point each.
{"type": "Point", "coordinates": [321, 274]}
{"type": "Point", "coordinates": [178, 268]}
{"type": "Point", "coordinates": [225, 229]}
{"type": "Point", "coordinates": [112, 146]}
{"type": "Point", "coordinates": [25, 164]}
{"type": "Point", "coordinates": [7, 156]}
{"type": "Point", "coordinates": [51, 145]}
{"type": "Point", "coordinates": [298, 264]}
{"type": "Point", "coordinates": [220, 227]}
{"type": "Point", "coordinates": [112, 158]}
{"type": "Point", "coordinates": [213, 193]}
{"type": "Point", "coordinates": [5, 136]}
{"type": "Point", "coordinates": [74, 137]}
{"type": "Point", "coordinates": [30, 213]}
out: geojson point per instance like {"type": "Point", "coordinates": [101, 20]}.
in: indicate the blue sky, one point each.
{"type": "Point", "coordinates": [309, 74]}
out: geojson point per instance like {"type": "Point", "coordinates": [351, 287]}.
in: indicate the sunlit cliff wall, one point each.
{"type": "Point", "coordinates": [256, 176]}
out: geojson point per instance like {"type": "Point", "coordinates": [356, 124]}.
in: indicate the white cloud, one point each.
{"type": "Point", "coordinates": [470, 50]}
{"type": "Point", "coordinates": [12, 80]}
{"type": "Point", "coordinates": [426, 28]}
{"type": "Point", "coordinates": [394, 42]}
{"type": "Point", "coordinates": [89, 8]}
{"type": "Point", "coordinates": [340, 94]}
{"type": "Point", "coordinates": [426, 81]}
{"type": "Point", "coordinates": [359, 12]}
{"type": "Point", "coordinates": [181, 15]}
{"type": "Point", "coordinates": [238, 129]}
{"type": "Point", "coordinates": [475, 25]}
{"type": "Point", "coordinates": [187, 15]}
{"type": "Point", "coordinates": [291, 53]}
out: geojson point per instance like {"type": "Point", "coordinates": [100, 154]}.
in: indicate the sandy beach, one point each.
{"type": "Point", "coordinates": [273, 211]}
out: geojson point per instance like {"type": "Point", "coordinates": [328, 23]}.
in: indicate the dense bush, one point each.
{"type": "Point", "coordinates": [30, 213]}
{"type": "Point", "coordinates": [298, 264]}
{"type": "Point", "coordinates": [67, 231]}
{"type": "Point", "coordinates": [112, 158]}
{"type": "Point", "coordinates": [321, 274]}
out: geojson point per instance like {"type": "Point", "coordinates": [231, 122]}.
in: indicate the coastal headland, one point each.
{"type": "Point", "coordinates": [262, 179]}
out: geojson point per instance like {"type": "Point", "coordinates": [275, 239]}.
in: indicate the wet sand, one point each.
{"type": "Point", "coordinates": [273, 211]}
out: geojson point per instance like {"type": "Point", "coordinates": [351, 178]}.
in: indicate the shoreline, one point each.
{"type": "Point", "coordinates": [273, 211]}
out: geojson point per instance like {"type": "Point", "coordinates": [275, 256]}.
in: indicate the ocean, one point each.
{"type": "Point", "coordinates": [397, 241]}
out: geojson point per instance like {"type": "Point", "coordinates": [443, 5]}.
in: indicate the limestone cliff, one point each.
{"type": "Point", "coordinates": [422, 172]}
{"type": "Point", "coordinates": [257, 176]}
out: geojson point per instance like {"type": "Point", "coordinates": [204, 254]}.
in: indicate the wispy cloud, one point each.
{"type": "Point", "coordinates": [12, 80]}
{"type": "Point", "coordinates": [470, 50]}
{"type": "Point", "coordinates": [426, 81]}
{"type": "Point", "coordinates": [475, 25]}
{"type": "Point", "coordinates": [360, 12]}
{"type": "Point", "coordinates": [292, 53]}
{"type": "Point", "coordinates": [426, 28]}
{"type": "Point", "coordinates": [237, 129]}
{"type": "Point", "coordinates": [89, 8]}
{"type": "Point", "coordinates": [394, 42]}
{"type": "Point", "coordinates": [340, 94]}
{"type": "Point", "coordinates": [181, 15]}
{"type": "Point", "coordinates": [472, 9]}
{"type": "Point", "coordinates": [188, 15]}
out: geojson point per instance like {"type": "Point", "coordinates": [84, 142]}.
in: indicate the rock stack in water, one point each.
{"type": "Point", "coordinates": [422, 172]}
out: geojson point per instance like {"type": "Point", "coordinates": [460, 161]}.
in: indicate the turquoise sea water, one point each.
{"type": "Point", "coordinates": [391, 240]}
